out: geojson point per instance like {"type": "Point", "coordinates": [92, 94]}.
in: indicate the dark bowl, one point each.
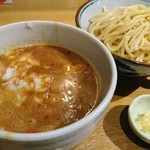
{"type": "Point", "coordinates": [89, 9]}
{"type": "Point", "coordinates": [131, 68]}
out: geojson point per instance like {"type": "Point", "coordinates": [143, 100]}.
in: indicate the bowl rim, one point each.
{"type": "Point", "coordinates": [80, 123]}
{"type": "Point", "coordinates": [77, 22]}
{"type": "Point", "coordinates": [79, 11]}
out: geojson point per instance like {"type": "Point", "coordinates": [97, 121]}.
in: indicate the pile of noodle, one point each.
{"type": "Point", "coordinates": [125, 31]}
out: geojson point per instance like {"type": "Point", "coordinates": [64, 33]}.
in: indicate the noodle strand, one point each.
{"type": "Point", "coordinates": [125, 31]}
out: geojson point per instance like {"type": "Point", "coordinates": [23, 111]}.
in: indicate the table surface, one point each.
{"type": "Point", "coordinates": [113, 132]}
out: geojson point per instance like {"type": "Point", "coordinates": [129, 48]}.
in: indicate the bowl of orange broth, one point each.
{"type": "Point", "coordinates": [56, 82]}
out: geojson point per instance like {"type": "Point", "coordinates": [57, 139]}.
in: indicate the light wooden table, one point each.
{"type": "Point", "coordinates": [113, 132]}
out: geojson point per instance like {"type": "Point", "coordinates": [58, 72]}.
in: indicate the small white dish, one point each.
{"type": "Point", "coordinates": [140, 105]}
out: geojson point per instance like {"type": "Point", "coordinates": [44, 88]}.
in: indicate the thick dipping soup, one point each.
{"type": "Point", "coordinates": [45, 87]}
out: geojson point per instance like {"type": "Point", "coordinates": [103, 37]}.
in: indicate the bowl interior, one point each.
{"type": "Point", "coordinates": [140, 105]}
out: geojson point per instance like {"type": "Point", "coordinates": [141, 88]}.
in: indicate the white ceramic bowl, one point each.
{"type": "Point", "coordinates": [140, 105]}
{"type": "Point", "coordinates": [46, 32]}
{"type": "Point", "coordinates": [91, 8]}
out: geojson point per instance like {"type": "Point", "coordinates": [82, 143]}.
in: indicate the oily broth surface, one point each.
{"type": "Point", "coordinates": [45, 87]}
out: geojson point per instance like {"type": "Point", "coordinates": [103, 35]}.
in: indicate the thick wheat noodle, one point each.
{"type": "Point", "coordinates": [125, 31]}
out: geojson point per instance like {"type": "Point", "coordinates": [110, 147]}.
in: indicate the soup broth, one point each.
{"type": "Point", "coordinates": [44, 87]}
